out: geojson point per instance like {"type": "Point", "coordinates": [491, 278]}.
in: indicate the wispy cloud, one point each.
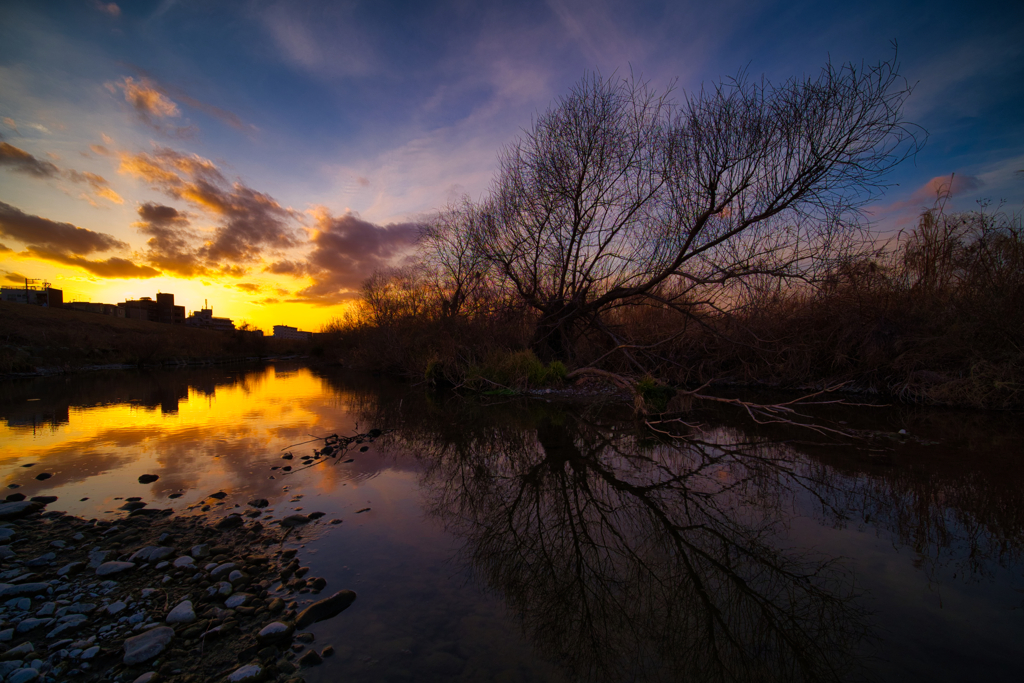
{"type": "Point", "coordinates": [109, 8]}
{"type": "Point", "coordinates": [22, 162]}
{"type": "Point", "coordinates": [151, 106]}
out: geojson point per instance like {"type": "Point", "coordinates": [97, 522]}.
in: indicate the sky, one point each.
{"type": "Point", "coordinates": [266, 157]}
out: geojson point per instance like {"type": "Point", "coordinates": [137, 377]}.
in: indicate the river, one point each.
{"type": "Point", "coordinates": [509, 539]}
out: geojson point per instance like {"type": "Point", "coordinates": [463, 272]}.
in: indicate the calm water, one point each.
{"type": "Point", "coordinates": [529, 540]}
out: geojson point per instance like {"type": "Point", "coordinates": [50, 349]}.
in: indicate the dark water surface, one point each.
{"type": "Point", "coordinates": [533, 540]}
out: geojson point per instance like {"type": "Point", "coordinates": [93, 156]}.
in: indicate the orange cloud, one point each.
{"type": "Point", "coordinates": [110, 8]}
{"type": "Point", "coordinates": [251, 221]}
{"type": "Point", "coordinates": [114, 267]}
{"type": "Point", "coordinates": [36, 231]}
{"type": "Point", "coordinates": [98, 183]}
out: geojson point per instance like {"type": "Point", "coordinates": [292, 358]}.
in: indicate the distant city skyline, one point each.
{"type": "Point", "coordinates": [268, 156]}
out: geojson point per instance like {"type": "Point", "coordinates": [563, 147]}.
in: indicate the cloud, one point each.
{"type": "Point", "coordinates": [347, 250]}
{"type": "Point", "coordinates": [4, 248]}
{"type": "Point", "coordinates": [15, 277]}
{"type": "Point", "coordinates": [68, 244]}
{"type": "Point", "coordinates": [101, 150]}
{"type": "Point", "coordinates": [22, 162]}
{"type": "Point", "coordinates": [152, 106]}
{"type": "Point", "coordinates": [286, 267]}
{"type": "Point", "coordinates": [110, 8]}
{"type": "Point", "coordinates": [114, 267]}
{"type": "Point", "coordinates": [249, 287]}
{"type": "Point", "coordinates": [98, 183]}
{"type": "Point", "coordinates": [36, 231]}
{"type": "Point", "coordinates": [251, 222]}
{"type": "Point", "coordinates": [9, 122]}
{"type": "Point", "coordinates": [171, 241]}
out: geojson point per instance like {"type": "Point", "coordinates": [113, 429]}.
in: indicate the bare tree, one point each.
{"type": "Point", "coordinates": [617, 196]}
{"type": "Point", "coordinates": [455, 271]}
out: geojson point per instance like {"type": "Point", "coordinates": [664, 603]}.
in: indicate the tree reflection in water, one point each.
{"type": "Point", "coordinates": [636, 558]}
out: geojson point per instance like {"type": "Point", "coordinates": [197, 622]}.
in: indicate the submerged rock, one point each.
{"type": "Point", "coordinates": [326, 608]}
{"type": "Point", "coordinates": [17, 509]}
{"type": "Point", "coordinates": [148, 478]}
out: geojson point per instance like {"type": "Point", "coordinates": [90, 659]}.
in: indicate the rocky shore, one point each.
{"type": "Point", "coordinates": [153, 597]}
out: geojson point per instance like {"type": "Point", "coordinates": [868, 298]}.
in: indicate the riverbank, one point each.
{"type": "Point", "coordinates": [153, 596]}
{"type": "Point", "coordinates": [40, 341]}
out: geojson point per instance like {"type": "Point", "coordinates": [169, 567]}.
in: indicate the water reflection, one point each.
{"type": "Point", "coordinates": [633, 559]}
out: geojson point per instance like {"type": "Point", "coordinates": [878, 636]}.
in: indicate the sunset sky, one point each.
{"type": "Point", "coordinates": [268, 156]}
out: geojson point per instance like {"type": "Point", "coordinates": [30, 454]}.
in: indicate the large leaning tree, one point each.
{"type": "Point", "coordinates": [619, 196]}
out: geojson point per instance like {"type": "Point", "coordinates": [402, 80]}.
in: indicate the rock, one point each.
{"type": "Point", "coordinates": [43, 476]}
{"type": "Point", "coordinates": [148, 677]}
{"type": "Point", "coordinates": [91, 652]}
{"type": "Point", "coordinates": [184, 561]}
{"type": "Point", "coordinates": [311, 658]}
{"type": "Point", "coordinates": [109, 568]}
{"type": "Point", "coordinates": [19, 509]}
{"type": "Point", "coordinates": [247, 674]}
{"type": "Point", "coordinates": [317, 515]}
{"type": "Point", "coordinates": [47, 609]}
{"type": "Point", "coordinates": [20, 651]}
{"type": "Point", "coordinates": [6, 553]}
{"type": "Point", "coordinates": [23, 675]}
{"type": "Point", "coordinates": [275, 632]}
{"type": "Point", "coordinates": [276, 605]}
{"type": "Point", "coordinates": [151, 553]}
{"type": "Point", "coordinates": [97, 557]}
{"type": "Point", "coordinates": [200, 551]}
{"type": "Point", "coordinates": [328, 651]}
{"type": "Point", "coordinates": [182, 613]}
{"type": "Point", "coordinates": [71, 569]}
{"type": "Point", "coordinates": [259, 503]}
{"type": "Point", "coordinates": [305, 637]}
{"type": "Point", "coordinates": [135, 505]}
{"type": "Point", "coordinates": [220, 495]}
{"type": "Point", "coordinates": [221, 589]}
{"type": "Point", "coordinates": [45, 500]}
{"type": "Point", "coordinates": [318, 584]}
{"type": "Point", "coordinates": [148, 478]}
{"type": "Point", "coordinates": [230, 522]}
{"type": "Point", "coordinates": [6, 532]}
{"type": "Point", "coordinates": [67, 623]}
{"type": "Point", "coordinates": [115, 607]}
{"type": "Point", "coordinates": [14, 591]}
{"type": "Point", "coordinates": [31, 624]}
{"type": "Point", "coordinates": [146, 646]}
{"type": "Point", "coordinates": [8, 667]}
{"type": "Point", "coordinates": [222, 569]}
{"type": "Point", "coordinates": [15, 497]}
{"type": "Point", "coordinates": [335, 521]}
{"type": "Point", "coordinates": [293, 521]}
{"type": "Point", "coordinates": [237, 600]}
{"type": "Point", "coordinates": [326, 608]}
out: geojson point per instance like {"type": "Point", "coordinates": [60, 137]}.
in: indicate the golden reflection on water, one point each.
{"type": "Point", "coordinates": [216, 431]}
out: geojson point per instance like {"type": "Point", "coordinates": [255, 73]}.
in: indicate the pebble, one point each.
{"type": "Point", "coordinates": [184, 561]}
{"type": "Point", "coordinates": [275, 632]}
{"type": "Point", "coordinates": [182, 613]}
{"type": "Point", "coordinates": [47, 609]}
{"type": "Point", "coordinates": [108, 568]}
{"type": "Point", "coordinates": [247, 673]}
{"type": "Point", "coordinates": [23, 675]}
{"type": "Point", "coordinates": [115, 607]}
{"type": "Point", "coordinates": [237, 600]}
{"type": "Point", "coordinates": [311, 658]}
{"type": "Point", "coordinates": [147, 677]}
{"type": "Point", "coordinates": [146, 646]}
{"type": "Point", "coordinates": [326, 608]}
{"type": "Point", "coordinates": [91, 652]}
{"type": "Point", "coordinates": [151, 554]}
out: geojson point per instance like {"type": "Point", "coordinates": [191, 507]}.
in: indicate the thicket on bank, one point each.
{"type": "Point", "coordinates": [714, 238]}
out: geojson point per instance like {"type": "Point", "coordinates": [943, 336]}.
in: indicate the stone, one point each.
{"type": "Point", "coordinates": [230, 522]}
{"type": "Point", "coordinates": [6, 532]}
{"type": "Point", "coordinates": [6, 553]}
{"type": "Point", "coordinates": [222, 569]}
{"type": "Point", "coordinates": [67, 623]}
{"type": "Point", "coordinates": [97, 557]}
{"type": "Point", "coordinates": [182, 613]}
{"type": "Point", "coordinates": [237, 600]}
{"type": "Point", "coordinates": [220, 495]}
{"type": "Point", "coordinates": [91, 652]}
{"type": "Point", "coordinates": [147, 645]}
{"type": "Point", "coordinates": [292, 521]}
{"type": "Point", "coordinates": [8, 667]}
{"type": "Point", "coordinates": [71, 569]}
{"type": "Point", "coordinates": [317, 515]}
{"type": "Point", "coordinates": [47, 609]}
{"type": "Point", "coordinates": [43, 476]}
{"type": "Point", "coordinates": [151, 553]}
{"type": "Point", "coordinates": [326, 608]}
{"type": "Point", "coordinates": [275, 632]}
{"type": "Point", "coordinates": [183, 561]}
{"type": "Point", "coordinates": [31, 624]}
{"type": "Point", "coordinates": [148, 677]}
{"type": "Point", "coordinates": [311, 658]}
{"type": "Point", "coordinates": [17, 590]}
{"type": "Point", "coordinates": [23, 649]}
{"type": "Point", "coordinates": [259, 503]}
{"type": "Point", "coordinates": [246, 674]}
{"type": "Point", "coordinates": [200, 551]}
{"type": "Point", "coordinates": [148, 478]}
{"type": "Point", "coordinates": [45, 500]}
{"type": "Point", "coordinates": [115, 607]}
{"type": "Point", "coordinates": [19, 509]}
{"type": "Point", "coordinates": [328, 651]}
{"type": "Point", "coordinates": [23, 675]}
{"type": "Point", "coordinates": [109, 568]}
